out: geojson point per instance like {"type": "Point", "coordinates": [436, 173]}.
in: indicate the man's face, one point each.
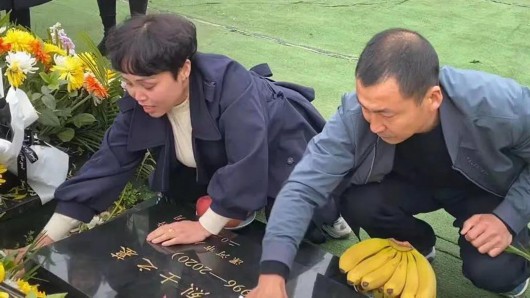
{"type": "Point", "coordinates": [393, 117]}
{"type": "Point", "coordinates": [158, 94]}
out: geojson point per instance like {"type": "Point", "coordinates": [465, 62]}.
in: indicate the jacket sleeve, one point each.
{"type": "Point", "coordinates": [101, 179]}
{"type": "Point", "coordinates": [241, 185]}
{"type": "Point", "coordinates": [514, 210]}
{"type": "Point", "coordinates": [328, 158]}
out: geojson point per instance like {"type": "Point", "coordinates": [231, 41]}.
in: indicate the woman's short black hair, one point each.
{"type": "Point", "coordinates": [401, 54]}
{"type": "Point", "coordinates": [150, 44]}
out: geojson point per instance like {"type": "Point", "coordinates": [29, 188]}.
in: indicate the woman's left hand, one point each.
{"type": "Point", "coordinates": [180, 232]}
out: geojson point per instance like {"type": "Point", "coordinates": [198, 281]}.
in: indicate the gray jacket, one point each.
{"type": "Point", "coordinates": [486, 125]}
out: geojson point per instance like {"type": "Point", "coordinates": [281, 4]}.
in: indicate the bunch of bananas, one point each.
{"type": "Point", "coordinates": [387, 269]}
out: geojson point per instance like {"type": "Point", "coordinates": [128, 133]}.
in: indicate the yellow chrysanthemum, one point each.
{"type": "Point", "coordinates": [19, 40]}
{"type": "Point", "coordinates": [19, 64]}
{"type": "Point", "coordinates": [15, 75]}
{"type": "Point", "coordinates": [4, 295]}
{"type": "Point", "coordinates": [2, 272]}
{"type": "Point", "coordinates": [53, 49]}
{"type": "Point", "coordinates": [70, 69]}
{"type": "Point", "coordinates": [24, 286]}
{"type": "Point", "coordinates": [41, 294]}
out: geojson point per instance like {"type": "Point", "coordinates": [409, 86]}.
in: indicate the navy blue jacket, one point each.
{"type": "Point", "coordinates": [248, 134]}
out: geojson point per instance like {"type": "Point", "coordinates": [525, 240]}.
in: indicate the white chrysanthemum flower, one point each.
{"type": "Point", "coordinates": [24, 61]}
{"type": "Point", "coordinates": [19, 64]}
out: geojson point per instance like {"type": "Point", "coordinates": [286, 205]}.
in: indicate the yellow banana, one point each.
{"type": "Point", "coordinates": [411, 283]}
{"type": "Point", "coordinates": [378, 293]}
{"type": "Point", "coordinates": [360, 251]}
{"type": "Point", "coordinates": [395, 284]}
{"type": "Point", "coordinates": [369, 264]}
{"type": "Point", "coordinates": [426, 277]}
{"type": "Point", "coordinates": [398, 246]}
{"type": "Point", "coordinates": [380, 276]}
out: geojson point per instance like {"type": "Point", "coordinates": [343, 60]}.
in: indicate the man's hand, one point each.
{"type": "Point", "coordinates": [487, 233]}
{"type": "Point", "coordinates": [269, 286]}
{"type": "Point", "coordinates": [180, 232]}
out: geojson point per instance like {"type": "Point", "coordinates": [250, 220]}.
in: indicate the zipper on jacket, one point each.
{"type": "Point", "coordinates": [373, 161]}
{"type": "Point", "coordinates": [475, 182]}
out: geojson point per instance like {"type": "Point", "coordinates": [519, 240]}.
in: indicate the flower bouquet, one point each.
{"type": "Point", "coordinates": [73, 95]}
{"type": "Point", "coordinates": [15, 281]}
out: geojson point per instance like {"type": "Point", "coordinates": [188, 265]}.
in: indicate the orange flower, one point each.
{"type": "Point", "coordinates": [93, 86]}
{"type": "Point", "coordinates": [4, 47]}
{"type": "Point", "coordinates": [39, 52]}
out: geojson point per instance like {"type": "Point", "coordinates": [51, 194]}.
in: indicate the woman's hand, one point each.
{"type": "Point", "coordinates": [180, 232]}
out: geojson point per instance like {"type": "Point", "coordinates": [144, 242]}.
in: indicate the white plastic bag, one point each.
{"type": "Point", "coordinates": [50, 168]}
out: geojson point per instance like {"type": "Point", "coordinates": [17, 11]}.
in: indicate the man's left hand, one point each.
{"type": "Point", "coordinates": [180, 232]}
{"type": "Point", "coordinates": [487, 233]}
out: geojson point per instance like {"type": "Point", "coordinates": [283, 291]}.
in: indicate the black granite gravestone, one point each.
{"type": "Point", "coordinates": [114, 260]}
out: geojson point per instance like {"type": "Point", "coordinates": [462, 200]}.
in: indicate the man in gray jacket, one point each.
{"type": "Point", "coordinates": [415, 139]}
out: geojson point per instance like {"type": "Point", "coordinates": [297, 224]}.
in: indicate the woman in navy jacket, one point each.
{"type": "Point", "coordinates": [214, 128]}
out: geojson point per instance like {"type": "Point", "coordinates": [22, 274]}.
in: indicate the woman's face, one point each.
{"type": "Point", "coordinates": [158, 94]}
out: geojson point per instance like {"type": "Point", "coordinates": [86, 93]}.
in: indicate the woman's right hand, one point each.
{"type": "Point", "coordinates": [21, 252]}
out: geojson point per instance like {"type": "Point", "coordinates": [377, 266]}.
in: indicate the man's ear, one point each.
{"type": "Point", "coordinates": [434, 98]}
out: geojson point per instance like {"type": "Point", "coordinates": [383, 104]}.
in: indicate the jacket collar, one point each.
{"type": "Point", "coordinates": [202, 94]}
{"type": "Point", "coordinates": [451, 121]}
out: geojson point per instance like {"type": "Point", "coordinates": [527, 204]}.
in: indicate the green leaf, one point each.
{"type": "Point", "coordinates": [31, 295]}
{"type": "Point", "coordinates": [83, 119]}
{"type": "Point", "coordinates": [59, 295]}
{"type": "Point", "coordinates": [49, 101]}
{"type": "Point", "coordinates": [73, 93]}
{"type": "Point", "coordinates": [514, 250]}
{"type": "Point", "coordinates": [36, 96]}
{"type": "Point", "coordinates": [48, 118]}
{"type": "Point", "coordinates": [52, 80]}
{"type": "Point", "coordinates": [66, 135]}
{"type": "Point", "coordinates": [66, 112]}
{"type": "Point", "coordinates": [45, 90]}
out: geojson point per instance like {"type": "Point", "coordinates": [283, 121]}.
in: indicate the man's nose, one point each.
{"type": "Point", "coordinates": [376, 125]}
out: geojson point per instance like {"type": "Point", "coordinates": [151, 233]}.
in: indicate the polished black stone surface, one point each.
{"type": "Point", "coordinates": [114, 260]}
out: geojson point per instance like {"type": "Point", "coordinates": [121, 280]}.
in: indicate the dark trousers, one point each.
{"type": "Point", "coordinates": [387, 209]}
{"type": "Point", "coordinates": [107, 11]}
{"type": "Point", "coordinates": [21, 17]}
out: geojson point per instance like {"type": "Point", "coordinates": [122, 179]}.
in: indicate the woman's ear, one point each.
{"type": "Point", "coordinates": [185, 70]}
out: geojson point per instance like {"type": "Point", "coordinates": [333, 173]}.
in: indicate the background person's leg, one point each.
{"type": "Point", "coordinates": [21, 17]}
{"type": "Point", "coordinates": [137, 7]}
{"type": "Point", "coordinates": [500, 274]}
{"type": "Point", "coordinates": [107, 13]}
{"type": "Point", "coordinates": [387, 209]}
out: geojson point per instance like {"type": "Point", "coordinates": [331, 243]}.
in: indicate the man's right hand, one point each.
{"type": "Point", "coordinates": [269, 286]}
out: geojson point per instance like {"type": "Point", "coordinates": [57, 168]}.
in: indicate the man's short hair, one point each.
{"type": "Point", "coordinates": [401, 54]}
{"type": "Point", "coordinates": [151, 44]}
